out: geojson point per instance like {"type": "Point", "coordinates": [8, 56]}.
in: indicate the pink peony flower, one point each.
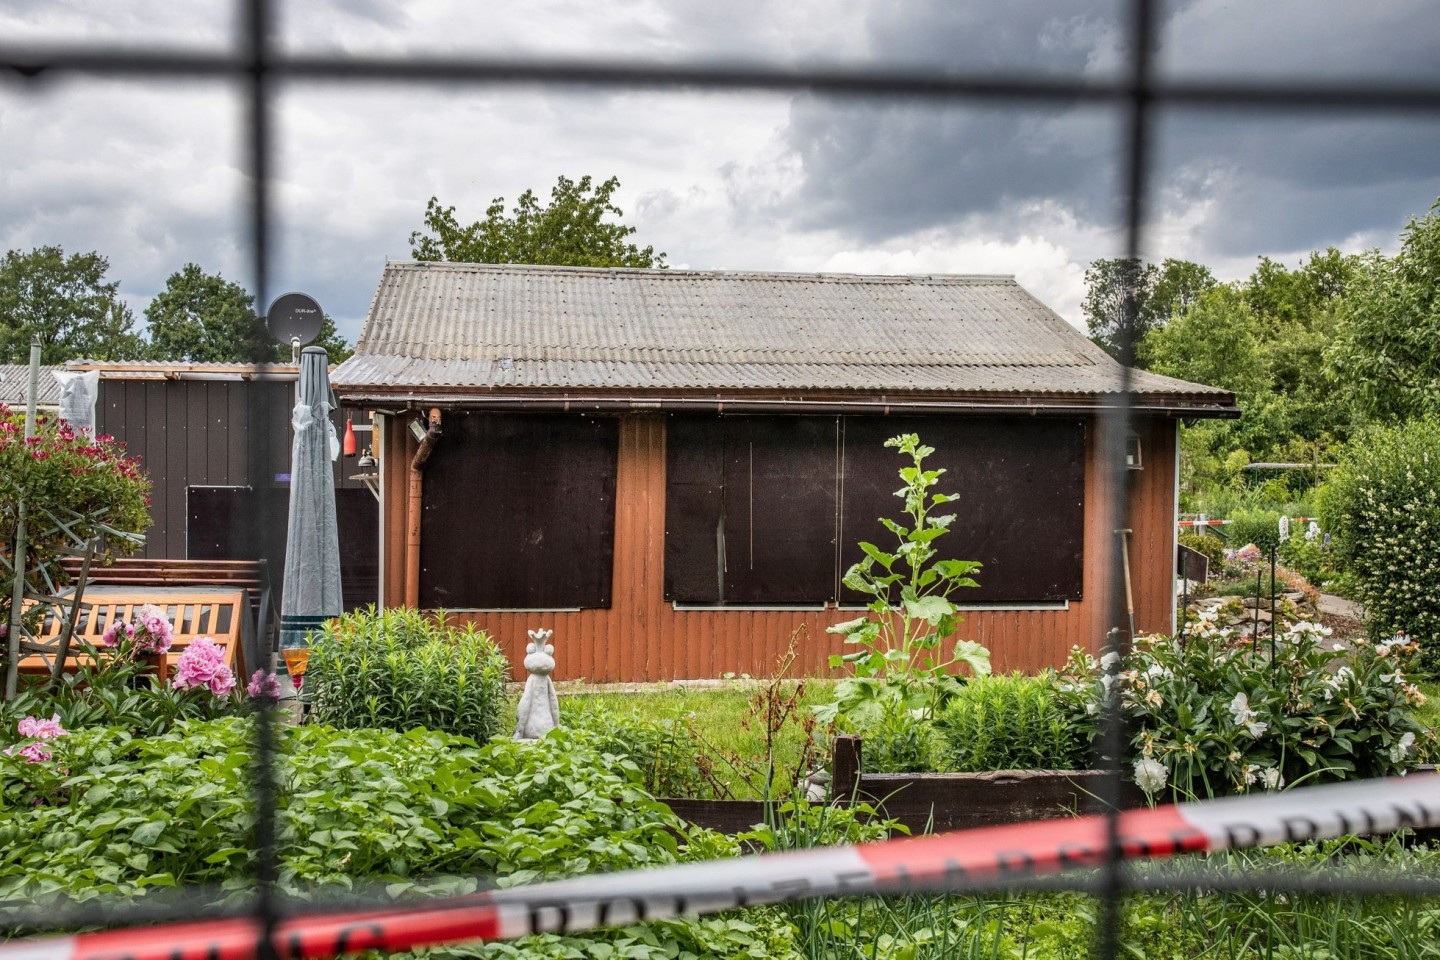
{"type": "Point", "coordinates": [263, 685]}
{"type": "Point", "coordinates": [112, 634]}
{"type": "Point", "coordinates": [152, 629]}
{"type": "Point", "coordinates": [41, 729]}
{"type": "Point", "coordinates": [202, 664]}
{"type": "Point", "coordinates": [32, 752]}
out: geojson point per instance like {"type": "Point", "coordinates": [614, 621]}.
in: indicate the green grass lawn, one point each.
{"type": "Point", "coordinates": [728, 723]}
{"type": "Point", "coordinates": [1429, 714]}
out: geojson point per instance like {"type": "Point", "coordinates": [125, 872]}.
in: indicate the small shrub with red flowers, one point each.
{"type": "Point", "coordinates": [1212, 714]}
{"type": "Point", "coordinates": [88, 483]}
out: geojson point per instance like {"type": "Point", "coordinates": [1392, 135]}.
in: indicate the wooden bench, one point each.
{"type": "Point", "coordinates": [257, 633]}
{"type": "Point", "coordinates": [218, 615]}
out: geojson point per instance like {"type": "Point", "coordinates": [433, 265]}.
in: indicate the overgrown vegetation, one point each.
{"type": "Point", "coordinates": [1213, 714]}
{"type": "Point", "coordinates": [400, 669]}
{"type": "Point", "coordinates": [1384, 506]}
{"type": "Point", "coordinates": [1008, 723]}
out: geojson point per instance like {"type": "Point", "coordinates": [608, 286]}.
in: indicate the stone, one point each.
{"type": "Point", "coordinates": [539, 709]}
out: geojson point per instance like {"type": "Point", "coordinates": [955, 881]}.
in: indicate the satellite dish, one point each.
{"type": "Point", "coordinates": [295, 318]}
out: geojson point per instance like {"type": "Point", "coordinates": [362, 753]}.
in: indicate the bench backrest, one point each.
{"type": "Point", "coordinates": [218, 615]}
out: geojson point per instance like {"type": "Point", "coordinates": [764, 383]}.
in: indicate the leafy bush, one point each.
{"type": "Point", "coordinates": [1260, 527]}
{"type": "Point", "coordinates": [1204, 543]}
{"type": "Point", "coordinates": [400, 669]}
{"type": "Point", "coordinates": [667, 756]}
{"type": "Point", "coordinates": [900, 682]}
{"type": "Point", "coordinates": [111, 688]}
{"type": "Point", "coordinates": [1212, 715]}
{"type": "Point", "coordinates": [119, 815]}
{"type": "Point", "coordinates": [1383, 506]}
{"type": "Point", "coordinates": [1008, 723]}
{"type": "Point", "coordinates": [88, 483]}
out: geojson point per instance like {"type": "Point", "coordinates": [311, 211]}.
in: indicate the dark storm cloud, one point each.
{"type": "Point", "coordinates": [1269, 181]}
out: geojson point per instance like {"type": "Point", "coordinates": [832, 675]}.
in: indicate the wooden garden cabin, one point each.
{"type": "Point", "coordinates": [672, 468]}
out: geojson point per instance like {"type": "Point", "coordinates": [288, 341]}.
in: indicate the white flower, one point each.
{"type": "Point", "coordinates": [1244, 716]}
{"type": "Point", "coordinates": [1157, 670]}
{"type": "Point", "coordinates": [1109, 660]}
{"type": "Point", "coordinates": [1401, 748]}
{"type": "Point", "coordinates": [1271, 779]}
{"type": "Point", "coordinates": [1150, 775]}
{"type": "Point", "coordinates": [1382, 649]}
{"type": "Point", "coordinates": [1249, 772]}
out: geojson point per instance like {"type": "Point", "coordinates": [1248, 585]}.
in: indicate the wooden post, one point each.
{"type": "Point", "coordinates": [845, 769]}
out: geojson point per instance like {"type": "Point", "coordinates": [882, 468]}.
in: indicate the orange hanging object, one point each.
{"type": "Point", "coordinates": [349, 437]}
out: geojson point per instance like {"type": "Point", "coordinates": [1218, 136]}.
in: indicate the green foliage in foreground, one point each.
{"type": "Point", "coordinates": [1383, 506]}
{"type": "Point", "coordinates": [400, 669]}
{"type": "Point", "coordinates": [425, 812]}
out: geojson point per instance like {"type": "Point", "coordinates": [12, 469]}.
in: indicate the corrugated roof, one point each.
{"type": "Point", "coordinates": [15, 378]}
{"type": "Point", "coordinates": [457, 327]}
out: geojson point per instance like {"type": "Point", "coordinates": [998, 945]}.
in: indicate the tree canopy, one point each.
{"type": "Point", "coordinates": [1158, 293]}
{"type": "Point", "coordinates": [204, 318]}
{"type": "Point", "coordinates": [572, 230]}
{"type": "Point", "coordinates": [1389, 343]}
{"type": "Point", "coordinates": [68, 302]}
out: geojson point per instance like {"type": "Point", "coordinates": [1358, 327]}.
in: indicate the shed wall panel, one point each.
{"type": "Point", "coordinates": [642, 637]}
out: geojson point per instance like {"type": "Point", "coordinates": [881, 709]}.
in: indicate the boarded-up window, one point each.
{"type": "Point", "coordinates": [519, 512]}
{"type": "Point", "coordinates": [1021, 483]}
{"type": "Point", "coordinates": [750, 509]}
{"type": "Point", "coordinates": [769, 509]}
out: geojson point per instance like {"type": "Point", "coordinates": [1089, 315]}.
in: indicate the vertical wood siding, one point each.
{"type": "Point", "coordinates": [642, 637]}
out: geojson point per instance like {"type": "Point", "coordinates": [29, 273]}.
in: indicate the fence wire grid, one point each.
{"type": "Point", "coordinates": [255, 66]}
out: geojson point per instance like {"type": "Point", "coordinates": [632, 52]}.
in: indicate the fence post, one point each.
{"type": "Point", "coordinates": [845, 769]}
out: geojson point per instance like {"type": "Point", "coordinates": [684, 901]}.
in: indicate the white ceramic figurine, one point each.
{"type": "Point", "coordinates": [539, 710]}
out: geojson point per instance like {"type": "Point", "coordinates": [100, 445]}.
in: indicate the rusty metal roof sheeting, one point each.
{"type": "Point", "coordinates": [457, 327]}
{"type": "Point", "coordinates": [15, 379]}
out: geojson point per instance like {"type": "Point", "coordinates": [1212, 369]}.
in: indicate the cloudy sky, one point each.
{"type": "Point", "coordinates": [149, 173]}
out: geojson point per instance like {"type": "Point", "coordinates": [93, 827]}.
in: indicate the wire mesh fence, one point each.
{"type": "Point", "coordinates": [1137, 95]}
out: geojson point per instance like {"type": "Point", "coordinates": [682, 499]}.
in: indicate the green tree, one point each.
{"type": "Point", "coordinates": [1386, 349]}
{"type": "Point", "coordinates": [68, 303]}
{"type": "Point", "coordinates": [1158, 294]}
{"type": "Point", "coordinates": [204, 318]}
{"type": "Point", "coordinates": [571, 231]}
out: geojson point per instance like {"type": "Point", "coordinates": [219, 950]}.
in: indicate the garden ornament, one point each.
{"type": "Point", "coordinates": [816, 785]}
{"type": "Point", "coordinates": [539, 710]}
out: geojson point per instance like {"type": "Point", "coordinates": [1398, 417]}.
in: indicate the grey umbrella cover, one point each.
{"type": "Point", "coordinates": [312, 545]}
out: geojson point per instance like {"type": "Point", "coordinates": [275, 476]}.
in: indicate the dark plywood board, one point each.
{"type": "Point", "coordinates": [694, 509]}
{"type": "Point", "coordinates": [1021, 510]}
{"type": "Point", "coordinates": [519, 511]}
{"type": "Point", "coordinates": [221, 527]}
{"type": "Point", "coordinates": [780, 509]}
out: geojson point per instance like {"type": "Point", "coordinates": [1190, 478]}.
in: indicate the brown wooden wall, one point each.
{"type": "Point", "coordinates": [229, 433]}
{"type": "Point", "coordinates": [642, 637]}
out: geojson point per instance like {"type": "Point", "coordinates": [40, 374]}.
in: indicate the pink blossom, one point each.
{"type": "Point", "coordinates": [32, 752]}
{"type": "Point", "coordinates": [152, 630]}
{"type": "Point", "coordinates": [263, 685]}
{"type": "Point", "coordinates": [111, 636]}
{"type": "Point", "coordinates": [202, 664]}
{"type": "Point", "coordinates": [41, 729]}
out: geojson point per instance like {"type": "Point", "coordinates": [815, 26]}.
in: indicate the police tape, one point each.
{"type": "Point", "coordinates": [962, 859]}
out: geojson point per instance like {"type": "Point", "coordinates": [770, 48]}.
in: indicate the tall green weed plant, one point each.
{"type": "Point", "coordinates": [401, 669]}
{"type": "Point", "coordinates": [902, 673]}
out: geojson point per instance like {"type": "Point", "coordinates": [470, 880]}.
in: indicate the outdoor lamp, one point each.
{"type": "Point", "coordinates": [366, 461]}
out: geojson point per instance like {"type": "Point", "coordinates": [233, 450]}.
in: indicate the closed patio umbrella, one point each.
{"type": "Point", "coordinates": [312, 546]}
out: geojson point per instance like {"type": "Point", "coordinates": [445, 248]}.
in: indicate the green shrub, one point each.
{"type": "Point", "coordinates": [1008, 723]}
{"type": "Point", "coordinates": [127, 814]}
{"type": "Point", "coordinates": [1382, 505]}
{"type": "Point", "coordinates": [1212, 715]}
{"type": "Point", "coordinates": [1260, 527]}
{"type": "Point", "coordinates": [400, 669]}
{"type": "Point", "coordinates": [1204, 543]}
{"type": "Point", "coordinates": [667, 756]}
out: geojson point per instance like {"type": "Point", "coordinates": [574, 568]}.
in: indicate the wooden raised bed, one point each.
{"type": "Point", "coordinates": [931, 801]}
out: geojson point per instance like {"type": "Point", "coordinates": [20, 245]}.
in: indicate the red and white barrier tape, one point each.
{"type": "Point", "coordinates": [928, 862]}
{"type": "Point", "coordinates": [1221, 523]}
